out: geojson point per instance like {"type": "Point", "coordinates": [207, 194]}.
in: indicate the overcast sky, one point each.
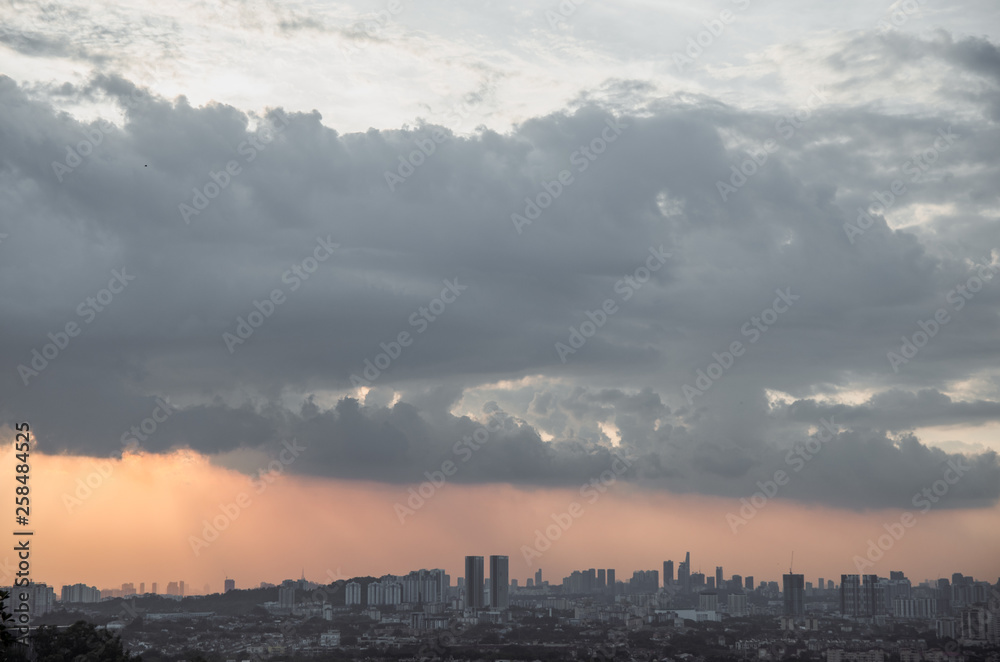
{"type": "Point", "coordinates": [695, 235]}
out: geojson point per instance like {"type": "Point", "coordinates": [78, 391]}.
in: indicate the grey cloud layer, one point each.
{"type": "Point", "coordinates": [451, 219]}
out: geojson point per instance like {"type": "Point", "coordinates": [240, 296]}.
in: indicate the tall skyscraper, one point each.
{"type": "Point", "coordinates": [873, 591]}
{"type": "Point", "coordinates": [602, 579]}
{"type": "Point", "coordinates": [154, 588]}
{"type": "Point", "coordinates": [668, 573]}
{"type": "Point", "coordinates": [142, 588]}
{"type": "Point", "coordinates": [850, 595]}
{"type": "Point", "coordinates": [499, 582]}
{"type": "Point", "coordinates": [793, 590]}
{"type": "Point", "coordinates": [718, 577]}
{"type": "Point", "coordinates": [538, 577]}
{"type": "Point", "coordinates": [230, 585]}
{"type": "Point", "coordinates": [612, 584]}
{"type": "Point", "coordinates": [684, 573]}
{"type": "Point", "coordinates": [749, 582]}
{"type": "Point", "coordinates": [474, 579]}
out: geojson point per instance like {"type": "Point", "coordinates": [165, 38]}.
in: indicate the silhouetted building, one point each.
{"type": "Point", "coordinates": [684, 573]}
{"type": "Point", "coordinates": [230, 585]}
{"type": "Point", "coordinates": [793, 591]}
{"type": "Point", "coordinates": [352, 594]}
{"type": "Point", "coordinates": [499, 582]}
{"type": "Point", "coordinates": [474, 580]}
{"type": "Point", "coordinates": [668, 573]}
{"type": "Point", "coordinates": [79, 593]}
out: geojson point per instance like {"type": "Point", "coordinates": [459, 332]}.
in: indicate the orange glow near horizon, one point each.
{"type": "Point", "coordinates": [137, 525]}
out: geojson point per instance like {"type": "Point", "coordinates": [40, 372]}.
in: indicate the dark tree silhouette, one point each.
{"type": "Point", "coordinates": [80, 642]}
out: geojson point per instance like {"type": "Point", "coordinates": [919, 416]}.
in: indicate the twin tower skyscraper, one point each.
{"type": "Point", "coordinates": [475, 583]}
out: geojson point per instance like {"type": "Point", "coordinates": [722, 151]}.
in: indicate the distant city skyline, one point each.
{"type": "Point", "coordinates": [783, 580]}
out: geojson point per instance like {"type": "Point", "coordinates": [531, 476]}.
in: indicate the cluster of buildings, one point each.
{"type": "Point", "coordinates": [827, 618]}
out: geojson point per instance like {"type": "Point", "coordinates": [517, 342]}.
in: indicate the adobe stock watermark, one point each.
{"type": "Point", "coordinates": [88, 310]}
{"type": "Point", "coordinates": [898, 15]}
{"type": "Point", "coordinates": [147, 427]}
{"type": "Point", "coordinates": [753, 329]}
{"type": "Point", "coordinates": [229, 512]}
{"type": "Point", "coordinates": [915, 168]}
{"type": "Point", "coordinates": [785, 127]}
{"type": "Point", "coordinates": [370, 28]}
{"type": "Point", "coordinates": [421, 320]}
{"type": "Point", "coordinates": [626, 287]}
{"type": "Point", "coordinates": [714, 27]}
{"type": "Point", "coordinates": [957, 297]}
{"type": "Point", "coordinates": [581, 159]}
{"type": "Point", "coordinates": [592, 490]}
{"type": "Point", "coordinates": [93, 136]}
{"type": "Point", "coordinates": [795, 459]}
{"type": "Point", "coordinates": [557, 17]}
{"type": "Point", "coordinates": [925, 500]}
{"type": "Point", "coordinates": [409, 164]}
{"type": "Point", "coordinates": [293, 277]}
{"type": "Point", "coordinates": [218, 181]}
{"type": "Point", "coordinates": [418, 497]}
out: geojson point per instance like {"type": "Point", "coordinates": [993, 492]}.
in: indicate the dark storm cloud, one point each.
{"type": "Point", "coordinates": [302, 185]}
{"type": "Point", "coordinates": [899, 410]}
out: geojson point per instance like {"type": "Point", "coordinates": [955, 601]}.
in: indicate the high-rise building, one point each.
{"type": "Point", "coordinates": [538, 577]}
{"type": "Point", "coordinates": [710, 583]}
{"type": "Point", "coordinates": [154, 588]}
{"type": "Point", "coordinates": [873, 592]}
{"type": "Point", "coordinates": [424, 586]}
{"type": "Point", "coordinates": [684, 573]}
{"type": "Point", "coordinates": [748, 583]}
{"type": "Point", "coordinates": [41, 598]}
{"type": "Point", "coordinates": [286, 597]}
{"type": "Point", "coordinates": [668, 573]}
{"type": "Point", "coordinates": [230, 585]}
{"type": "Point", "coordinates": [499, 582]}
{"type": "Point", "coordinates": [80, 593]}
{"type": "Point", "coordinates": [474, 580]}
{"type": "Point", "coordinates": [793, 589]}
{"type": "Point", "coordinates": [644, 581]}
{"type": "Point", "coordinates": [850, 595]}
{"type": "Point", "coordinates": [738, 604]}
{"type": "Point", "coordinates": [602, 580]}
{"type": "Point", "coordinates": [708, 601]}
{"type": "Point", "coordinates": [142, 588]}
{"type": "Point", "coordinates": [612, 584]}
{"type": "Point", "coordinates": [352, 594]}
{"type": "Point", "coordinates": [180, 586]}
{"type": "Point", "coordinates": [718, 576]}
